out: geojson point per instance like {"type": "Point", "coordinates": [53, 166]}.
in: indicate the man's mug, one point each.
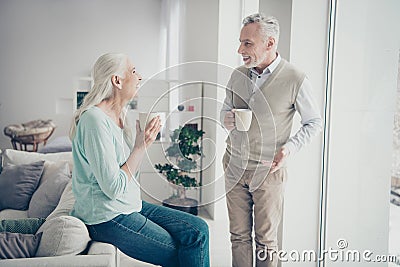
{"type": "Point", "coordinates": [145, 118]}
{"type": "Point", "coordinates": [243, 119]}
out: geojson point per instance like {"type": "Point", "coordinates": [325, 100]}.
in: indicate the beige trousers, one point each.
{"type": "Point", "coordinates": [263, 207]}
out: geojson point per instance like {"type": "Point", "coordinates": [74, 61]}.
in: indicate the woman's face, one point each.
{"type": "Point", "coordinates": [131, 82]}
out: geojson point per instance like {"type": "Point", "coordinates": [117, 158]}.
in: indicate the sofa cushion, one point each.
{"type": "Point", "coordinates": [9, 214]}
{"type": "Point", "coordinates": [58, 144]}
{"type": "Point", "coordinates": [65, 204]}
{"type": "Point", "coordinates": [16, 157]}
{"type": "Point", "coordinates": [16, 245]}
{"type": "Point", "coordinates": [46, 197]}
{"type": "Point", "coordinates": [64, 235]}
{"type": "Point", "coordinates": [22, 226]}
{"type": "Point", "coordinates": [17, 184]}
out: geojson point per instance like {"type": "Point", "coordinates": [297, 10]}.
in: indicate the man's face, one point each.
{"type": "Point", "coordinates": [253, 48]}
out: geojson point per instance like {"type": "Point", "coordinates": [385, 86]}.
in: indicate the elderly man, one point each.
{"type": "Point", "coordinates": [254, 161]}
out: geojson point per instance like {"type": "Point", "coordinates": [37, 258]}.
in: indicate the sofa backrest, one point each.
{"type": "Point", "coordinates": [17, 157]}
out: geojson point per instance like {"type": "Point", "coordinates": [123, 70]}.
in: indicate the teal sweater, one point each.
{"type": "Point", "coordinates": [101, 188]}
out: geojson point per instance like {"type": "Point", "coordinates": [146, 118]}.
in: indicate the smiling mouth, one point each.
{"type": "Point", "coordinates": [246, 59]}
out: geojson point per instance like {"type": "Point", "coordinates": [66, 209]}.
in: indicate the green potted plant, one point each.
{"type": "Point", "coordinates": [182, 155]}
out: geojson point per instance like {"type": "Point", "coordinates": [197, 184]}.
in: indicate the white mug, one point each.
{"type": "Point", "coordinates": [243, 119]}
{"type": "Point", "coordinates": [145, 118]}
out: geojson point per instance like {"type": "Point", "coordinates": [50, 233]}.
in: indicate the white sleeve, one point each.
{"type": "Point", "coordinates": [310, 119]}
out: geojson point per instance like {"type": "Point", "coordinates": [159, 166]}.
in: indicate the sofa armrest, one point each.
{"type": "Point", "coordinates": [100, 248]}
{"type": "Point", "coordinates": [10, 214]}
{"type": "Point", "coordinates": [99, 255]}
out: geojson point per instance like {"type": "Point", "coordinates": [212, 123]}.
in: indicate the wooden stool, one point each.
{"type": "Point", "coordinates": [29, 133]}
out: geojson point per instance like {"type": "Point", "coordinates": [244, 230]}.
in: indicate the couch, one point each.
{"type": "Point", "coordinates": [64, 240]}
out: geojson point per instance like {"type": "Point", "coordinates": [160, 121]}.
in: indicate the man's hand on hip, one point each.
{"type": "Point", "coordinates": [279, 160]}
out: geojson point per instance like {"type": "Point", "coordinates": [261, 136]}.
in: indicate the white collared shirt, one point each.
{"type": "Point", "coordinates": [259, 79]}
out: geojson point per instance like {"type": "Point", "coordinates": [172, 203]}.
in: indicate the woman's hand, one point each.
{"type": "Point", "coordinates": [145, 138]}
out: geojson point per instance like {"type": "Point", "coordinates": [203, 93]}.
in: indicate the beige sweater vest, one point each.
{"type": "Point", "coordinates": [273, 111]}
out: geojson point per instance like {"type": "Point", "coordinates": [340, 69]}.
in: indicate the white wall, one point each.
{"type": "Point", "coordinates": [199, 31]}
{"type": "Point", "coordinates": [46, 44]}
{"type": "Point", "coordinates": [282, 10]}
{"type": "Point", "coordinates": [228, 40]}
{"type": "Point", "coordinates": [199, 42]}
{"type": "Point", "coordinates": [363, 104]}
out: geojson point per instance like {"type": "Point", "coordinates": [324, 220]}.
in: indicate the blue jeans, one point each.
{"type": "Point", "coordinates": [158, 235]}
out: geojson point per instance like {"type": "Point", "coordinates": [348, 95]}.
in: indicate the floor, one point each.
{"type": "Point", "coordinates": [220, 246]}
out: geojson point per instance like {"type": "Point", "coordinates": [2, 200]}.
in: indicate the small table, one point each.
{"type": "Point", "coordinates": [29, 133]}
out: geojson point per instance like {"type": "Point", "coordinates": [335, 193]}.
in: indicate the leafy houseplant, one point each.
{"type": "Point", "coordinates": [182, 153]}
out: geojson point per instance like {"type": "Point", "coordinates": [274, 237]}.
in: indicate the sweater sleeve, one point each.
{"type": "Point", "coordinates": [101, 156]}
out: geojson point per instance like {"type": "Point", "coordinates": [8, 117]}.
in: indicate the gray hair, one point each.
{"type": "Point", "coordinates": [269, 25]}
{"type": "Point", "coordinates": [106, 66]}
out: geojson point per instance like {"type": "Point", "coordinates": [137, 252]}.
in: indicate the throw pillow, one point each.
{"type": "Point", "coordinates": [22, 226]}
{"type": "Point", "coordinates": [16, 245]}
{"type": "Point", "coordinates": [17, 184]}
{"type": "Point", "coordinates": [17, 157]}
{"type": "Point", "coordinates": [46, 197]}
{"type": "Point", "coordinates": [65, 204]}
{"type": "Point", "coordinates": [64, 235]}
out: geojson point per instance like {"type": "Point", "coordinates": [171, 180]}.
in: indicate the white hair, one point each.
{"type": "Point", "coordinates": [269, 26]}
{"type": "Point", "coordinates": [106, 66]}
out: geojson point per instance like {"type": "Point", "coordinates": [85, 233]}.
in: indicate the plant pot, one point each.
{"type": "Point", "coordinates": [188, 205]}
{"type": "Point", "coordinates": [179, 201]}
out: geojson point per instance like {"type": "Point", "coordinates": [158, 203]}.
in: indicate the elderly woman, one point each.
{"type": "Point", "coordinates": [106, 163]}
